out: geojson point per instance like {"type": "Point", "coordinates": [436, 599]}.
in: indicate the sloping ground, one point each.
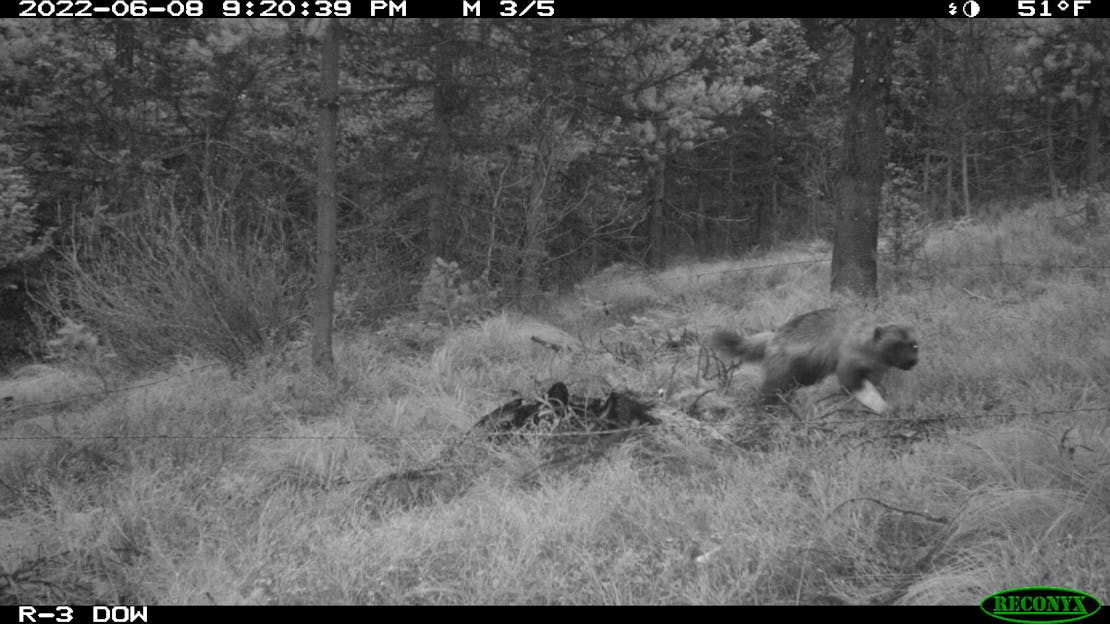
{"type": "Point", "coordinates": [992, 472]}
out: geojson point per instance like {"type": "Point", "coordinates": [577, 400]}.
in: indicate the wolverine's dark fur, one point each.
{"type": "Point", "coordinates": [813, 346]}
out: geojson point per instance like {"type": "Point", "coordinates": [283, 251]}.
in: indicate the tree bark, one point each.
{"type": "Point", "coordinates": [855, 244]}
{"type": "Point", "coordinates": [322, 356]}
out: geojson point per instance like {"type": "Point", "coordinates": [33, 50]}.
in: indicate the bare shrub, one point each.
{"type": "Point", "coordinates": [163, 280]}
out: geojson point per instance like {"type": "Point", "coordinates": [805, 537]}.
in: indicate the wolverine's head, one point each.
{"type": "Point", "coordinates": [897, 345]}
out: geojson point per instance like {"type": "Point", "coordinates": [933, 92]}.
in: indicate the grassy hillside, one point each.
{"type": "Point", "coordinates": [992, 472]}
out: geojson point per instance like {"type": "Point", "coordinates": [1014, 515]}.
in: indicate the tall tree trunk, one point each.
{"type": "Point", "coordinates": [445, 107]}
{"type": "Point", "coordinates": [322, 356]}
{"type": "Point", "coordinates": [440, 189]}
{"type": "Point", "coordinates": [655, 227]}
{"type": "Point", "coordinates": [732, 206]}
{"type": "Point", "coordinates": [495, 213]}
{"type": "Point", "coordinates": [977, 170]}
{"type": "Point", "coordinates": [121, 133]}
{"type": "Point", "coordinates": [926, 189]}
{"type": "Point", "coordinates": [813, 227]}
{"type": "Point", "coordinates": [547, 40]}
{"type": "Point", "coordinates": [965, 193]}
{"type": "Point", "coordinates": [1050, 154]}
{"type": "Point", "coordinates": [765, 206]}
{"type": "Point", "coordinates": [855, 244]}
{"type": "Point", "coordinates": [124, 62]}
{"type": "Point", "coordinates": [949, 192]}
{"type": "Point", "coordinates": [703, 250]}
{"type": "Point", "coordinates": [536, 218]}
{"type": "Point", "coordinates": [595, 247]}
{"type": "Point", "coordinates": [1093, 168]}
{"type": "Point", "coordinates": [930, 191]}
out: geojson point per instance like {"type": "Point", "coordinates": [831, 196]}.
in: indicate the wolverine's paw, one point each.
{"type": "Point", "coordinates": [869, 396]}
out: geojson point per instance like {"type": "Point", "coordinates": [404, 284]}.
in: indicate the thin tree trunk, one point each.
{"type": "Point", "coordinates": [447, 106]}
{"type": "Point", "coordinates": [326, 266]}
{"type": "Point", "coordinates": [124, 62]}
{"type": "Point", "coordinates": [547, 40]}
{"type": "Point", "coordinates": [1093, 167]}
{"type": "Point", "coordinates": [440, 189]}
{"type": "Point", "coordinates": [977, 170]}
{"type": "Point", "coordinates": [814, 229]}
{"type": "Point", "coordinates": [775, 210]}
{"type": "Point", "coordinates": [121, 133]}
{"type": "Point", "coordinates": [855, 244]}
{"type": "Point", "coordinates": [536, 218]}
{"type": "Point", "coordinates": [965, 193]}
{"type": "Point", "coordinates": [926, 189]}
{"type": "Point", "coordinates": [731, 204]}
{"type": "Point", "coordinates": [702, 230]}
{"type": "Point", "coordinates": [495, 214]}
{"type": "Point", "coordinates": [949, 192]}
{"type": "Point", "coordinates": [1050, 154]}
{"type": "Point", "coordinates": [595, 244]}
{"type": "Point", "coordinates": [765, 208]}
{"type": "Point", "coordinates": [925, 175]}
{"type": "Point", "coordinates": [655, 230]}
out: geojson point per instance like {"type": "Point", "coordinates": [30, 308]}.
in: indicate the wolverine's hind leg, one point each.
{"type": "Point", "coordinates": [778, 378]}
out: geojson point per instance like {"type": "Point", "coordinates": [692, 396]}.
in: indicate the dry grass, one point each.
{"type": "Point", "coordinates": [247, 489]}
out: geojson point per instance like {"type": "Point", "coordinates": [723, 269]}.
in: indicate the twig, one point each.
{"type": "Point", "coordinates": [550, 345]}
{"type": "Point", "coordinates": [868, 499]}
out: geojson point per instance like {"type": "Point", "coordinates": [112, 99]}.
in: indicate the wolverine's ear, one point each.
{"type": "Point", "coordinates": [882, 331]}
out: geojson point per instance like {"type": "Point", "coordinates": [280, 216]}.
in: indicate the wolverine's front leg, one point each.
{"type": "Point", "coordinates": [856, 382]}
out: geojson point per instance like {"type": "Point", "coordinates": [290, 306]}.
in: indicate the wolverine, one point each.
{"type": "Point", "coordinates": [812, 346]}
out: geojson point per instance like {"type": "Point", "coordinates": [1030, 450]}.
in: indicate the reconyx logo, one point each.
{"type": "Point", "coordinates": [1040, 605]}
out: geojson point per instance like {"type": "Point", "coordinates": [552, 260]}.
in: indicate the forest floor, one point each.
{"type": "Point", "coordinates": [195, 485]}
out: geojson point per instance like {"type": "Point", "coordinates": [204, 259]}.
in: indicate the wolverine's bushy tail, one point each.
{"type": "Point", "coordinates": [733, 345]}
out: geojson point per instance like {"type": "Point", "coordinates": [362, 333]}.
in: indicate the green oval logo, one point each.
{"type": "Point", "coordinates": [1042, 605]}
